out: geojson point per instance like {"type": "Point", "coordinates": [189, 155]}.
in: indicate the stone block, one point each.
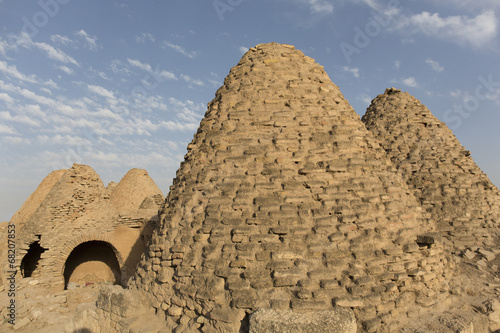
{"type": "Point", "coordinates": [349, 302]}
{"type": "Point", "coordinates": [261, 283]}
{"type": "Point", "coordinates": [226, 315]}
{"type": "Point", "coordinates": [286, 281]}
{"type": "Point", "coordinates": [488, 255]}
{"type": "Point", "coordinates": [411, 247]}
{"type": "Point", "coordinates": [124, 303]}
{"type": "Point", "coordinates": [272, 321]}
{"type": "Point", "coordinates": [244, 299]}
{"type": "Point", "coordinates": [175, 311]}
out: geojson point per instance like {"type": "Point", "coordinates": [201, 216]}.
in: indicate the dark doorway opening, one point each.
{"type": "Point", "coordinates": [30, 261]}
{"type": "Point", "coordinates": [92, 262]}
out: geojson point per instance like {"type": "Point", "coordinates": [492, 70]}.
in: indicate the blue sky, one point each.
{"type": "Point", "coordinates": [124, 84]}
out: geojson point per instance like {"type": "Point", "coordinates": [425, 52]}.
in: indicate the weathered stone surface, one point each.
{"type": "Point", "coordinates": [488, 255]}
{"type": "Point", "coordinates": [340, 320]}
{"type": "Point", "coordinates": [121, 302]}
{"type": "Point", "coordinates": [493, 311]}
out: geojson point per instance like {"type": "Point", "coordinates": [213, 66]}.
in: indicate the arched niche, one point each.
{"type": "Point", "coordinates": [92, 262]}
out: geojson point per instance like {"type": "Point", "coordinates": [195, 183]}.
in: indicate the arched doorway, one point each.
{"type": "Point", "coordinates": [30, 261]}
{"type": "Point", "coordinates": [92, 262]}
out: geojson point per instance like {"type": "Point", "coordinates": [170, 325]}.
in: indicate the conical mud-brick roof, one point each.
{"type": "Point", "coordinates": [450, 186]}
{"type": "Point", "coordinates": [285, 200]}
{"type": "Point", "coordinates": [129, 193]}
{"type": "Point", "coordinates": [73, 193]}
{"type": "Point", "coordinates": [36, 198]}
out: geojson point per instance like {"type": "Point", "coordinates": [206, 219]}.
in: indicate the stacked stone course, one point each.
{"type": "Point", "coordinates": [286, 201]}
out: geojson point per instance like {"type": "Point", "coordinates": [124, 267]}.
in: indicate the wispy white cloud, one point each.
{"type": "Point", "coordinates": [434, 65]}
{"type": "Point", "coordinates": [354, 71]}
{"type": "Point", "coordinates": [61, 40]}
{"type": "Point", "coordinates": [105, 157]}
{"type": "Point", "coordinates": [243, 49]}
{"type": "Point", "coordinates": [464, 30]}
{"type": "Point", "coordinates": [147, 67]}
{"type": "Point", "coordinates": [101, 91]}
{"type": "Point", "coordinates": [58, 139]}
{"type": "Point", "coordinates": [7, 87]}
{"type": "Point", "coordinates": [103, 76]}
{"type": "Point", "coordinates": [7, 129]}
{"type": "Point", "coordinates": [93, 73]}
{"type": "Point", "coordinates": [149, 103]}
{"type": "Point", "coordinates": [51, 84]}
{"type": "Point", "coordinates": [177, 126]}
{"type": "Point", "coordinates": [89, 41]}
{"type": "Point", "coordinates": [6, 116]}
{"type": "Point", "coordinates": [65, 69]}
{"type": "Point", "coordinates": [23, 40]}
{"type": "Point", "coordinates": [106, 113]}
{"type": "Point", "coordinates": [6, 98]}
{"type": "Point", "coordinates": [189, 79]}
{"type": "Point", "coordinates": [166, 75]}
{"type": "Point", "coordinates": [410, 82]}
{"type": "Point", "coordinates": [64, 116]}
{"type": "Point", "coordinates": [45, 90]}
{"type": "Point", "coordinates": [117, 67]}
{"type": "Point", "coordinates": [56, 54]}
{"type": "Point", "coordinates": [397, 64]}
{"type": "Point", "coordinates": [365, 99]}
{"type": "Point", "coordinates": [14, 73]}
{"type": "Point", "coordinates": [33, 110]}
{"type": "Point", "coordinates": [144, 66]}
{"type": "Point", "coordinates": [180, 49]}
{"type": "Point", "coordinates": [456, 93]}
{"type": "Point", "coordinates": [492, 94]}
{"type": "Point", "coordinates": [142, 38]}
{"type": "Point", "coordinates": [187, 110]}
{"type": "Point", "coordinates": [16, 140]}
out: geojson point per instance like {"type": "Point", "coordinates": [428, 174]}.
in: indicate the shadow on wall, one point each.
{"type": "Point", "coordinates": [137, 250]}
{"type": "Point", "coordinates": [131, 261]}
{"type": "Point", "coordinates": [82, 330]}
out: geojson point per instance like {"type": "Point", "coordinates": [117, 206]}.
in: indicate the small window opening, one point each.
{"type": "Point", "coordinates": [30, 262]}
